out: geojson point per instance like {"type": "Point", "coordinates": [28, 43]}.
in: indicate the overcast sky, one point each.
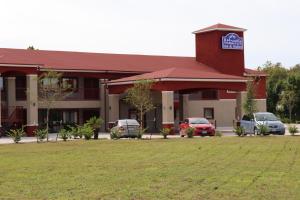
{"type": "Point", "coordinates": [156, 27]}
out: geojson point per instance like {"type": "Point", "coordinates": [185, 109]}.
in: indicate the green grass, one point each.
{"type": "Point", "coordinates": [199, 168]}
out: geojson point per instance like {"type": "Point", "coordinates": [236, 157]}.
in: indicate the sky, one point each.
{"type": "Point", "coordinates": [154, 27]}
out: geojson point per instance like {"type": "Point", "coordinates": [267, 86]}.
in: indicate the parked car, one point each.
{"type": "Point", "coordinates": [127, 127]}
{"type": "Point", "coordinates": [202, 127]}
{"type": "Point", "coordinates": [251, 123]}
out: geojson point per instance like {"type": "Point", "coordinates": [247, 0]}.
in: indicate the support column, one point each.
{"type": "Point", "coordinates": [168, 109]}
{"type": "Point", "coordinates": [32, 103]}
{"type": "Point", "coordinates": [185, 106]}
{"type": "Point", "coordinates": [113, 108]}
{"type": "Point", "coordinates": [240, 100]}
{"type": "Point", "coordinates": [103, 101]}
{"type": "Point", "coordinates": [1, 88]}
{"type": "Point", "coordinates": [11, 94]}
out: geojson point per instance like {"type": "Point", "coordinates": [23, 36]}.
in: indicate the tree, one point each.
{"type": "Point", "coordinates": [250, 103]}
{"type": "Point", "coordinates": [51, 89]}
{"type": "Point", "coordinates": [288, 99]}
{"type": "Point", "coordinates": [139, 96]}
{"type": "Point", "coordinates": [31, 48]}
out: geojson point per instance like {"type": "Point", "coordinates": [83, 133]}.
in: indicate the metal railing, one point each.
{"type": "Point", "coordinates": [79, 94]}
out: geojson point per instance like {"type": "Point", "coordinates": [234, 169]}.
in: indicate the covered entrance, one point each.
{"type": "Point", "coordinates": [170, 91]}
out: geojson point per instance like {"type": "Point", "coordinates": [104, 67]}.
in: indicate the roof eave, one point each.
{"type": "Point", "coordinates": [220, 29]}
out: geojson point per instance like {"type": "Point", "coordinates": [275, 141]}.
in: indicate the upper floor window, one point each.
{"type": "Point", "coordinates": [70, 83]}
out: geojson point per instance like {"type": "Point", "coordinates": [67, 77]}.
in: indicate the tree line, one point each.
{"type": "Point", "coordinates": [283, 90]}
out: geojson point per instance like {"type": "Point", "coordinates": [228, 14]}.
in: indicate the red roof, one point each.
{"type": "Point", "coordinates": [251, 72]}
{"type": "Point", "coordinates": [220, 27]}
{"type": "Point", "coordinates": [179, 73]}
{"type": "Point", "coordinates": [64, 60]}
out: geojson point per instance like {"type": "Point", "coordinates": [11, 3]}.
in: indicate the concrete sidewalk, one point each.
{"type": "Point", "coordinates": [226, 131]}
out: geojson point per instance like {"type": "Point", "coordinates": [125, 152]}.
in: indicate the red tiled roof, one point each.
{"type": "Point", "coordinates": [179, 73]}
{"type": "Point", "coordinates": [221, 27]}
{"type": "Point", "coordinates": [64, 60]}
{"type": "Point", "coordinates": [250, 72]}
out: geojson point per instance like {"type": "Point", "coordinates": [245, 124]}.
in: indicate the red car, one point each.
{"type": "Point", "coordinates": [202, 127]}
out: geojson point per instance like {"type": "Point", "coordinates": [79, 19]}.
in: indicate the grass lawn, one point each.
{"type": "Point", "coordinates": [199, 168]}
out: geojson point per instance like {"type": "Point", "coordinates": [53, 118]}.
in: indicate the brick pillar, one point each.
{"type": "Point", "coordinates": [168, 109]}
{"type": "Point", "coordinates": [113, 108]}
{"type": "Point", "coordinates": [32, 103]}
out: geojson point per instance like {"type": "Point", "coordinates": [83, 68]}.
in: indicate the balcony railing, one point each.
{"type": "Point", "coordinates": [81, 94]}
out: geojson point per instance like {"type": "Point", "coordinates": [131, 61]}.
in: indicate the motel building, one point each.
{"type": "Point", "coordinates": [212, 84]}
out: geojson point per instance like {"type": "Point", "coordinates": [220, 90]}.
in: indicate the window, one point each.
{"type": "Point", "coordinates": [70, 117]}
{"type": "Point", "coordinates": [209, 113]}
{"type": "Point", "coordinates": [70, 83]}
{"type": "Point", "coordinates": [50, 82]}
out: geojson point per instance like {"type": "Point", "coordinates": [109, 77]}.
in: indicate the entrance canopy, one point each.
{"type": "Point", "coordinates": [172, 79]}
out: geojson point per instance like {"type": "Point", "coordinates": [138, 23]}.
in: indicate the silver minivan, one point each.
{"type": "Point", "coordinates": [251, 123]}
{"type": "Point", "coordinates": [127, 127]}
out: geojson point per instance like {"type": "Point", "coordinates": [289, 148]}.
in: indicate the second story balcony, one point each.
{"type": "Point", "coordinates": [79, 94]}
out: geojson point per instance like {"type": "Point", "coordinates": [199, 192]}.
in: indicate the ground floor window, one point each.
{"type": "Point", "coordinates": [209, 113]}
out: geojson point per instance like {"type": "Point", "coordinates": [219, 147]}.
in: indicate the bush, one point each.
{"type": "Point", "coordinates": [263, 129]}
{"type": "Point", "coordinates": [165, 132]}
{"type": "Point", "coordinates": [87, 131]}
{"type": "Point", "coordinates": [95, 123]}
{"type": "Point", "coordinates": [141, 133]}
{"type": "Point", "coordinates": [286, 120]}
{"type": "Point", "coordinates": [293, 130]}
{"type": "Point", "coordinates": [16, 134]}
{"type": "Point", "coordinates": [64, 134]}
{"type": "Point", "coordinates": [115, 133]}
{"type": "Point", "coordinates": [75, 131]}
{"type": "Point", "coordinates": [218, 133]}
{"type": "Point", "coordinates": [239, 131]}
{"type": "Point", "coordinates": [190, 132]}
{"type": "Point", "coordinates": [40, 134]}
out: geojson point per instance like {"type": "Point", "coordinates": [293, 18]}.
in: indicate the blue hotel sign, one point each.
{"type": "Point", "coordinates": [232, 41]}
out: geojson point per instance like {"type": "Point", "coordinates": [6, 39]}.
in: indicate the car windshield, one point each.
{"type": "Point", "coordinates": [199, 121]}
{"type": "Point", "coordinates": [265, 117]}
{"type": "Point", "coordinates": [129, 122]}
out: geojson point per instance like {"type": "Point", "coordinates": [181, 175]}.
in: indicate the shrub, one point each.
{"type": "Point", "coordinates": [64, 134]}
{"type": "Point", "coordinates": [74, 131]}
{"type": "Point", "coordinates": [16, 134]}
{"type": "Point", "coordinates": [239, 131]}
{"type": "Point", "coordinates": [95, 123]}
{"type": "Point", "coordinates": [165, 132]}
{"type": "Point", "coordinates": [87, 131]}
{"type": "Point", "coordinates": [218, 133]}
{"type": "Point", "coordinates": [115, 133]}
{"type": "Point", "coordinates": [79, 132]}
{"type": "Point", "coordinates": [263, 129]}
{"type": "Point", "coordinates": [293, 130]}
{"type": "Point", "coordinates": [190, 132]}
{"type": "Point", "coordinates": [40, 134]}
{"type": "Point", "coordinates": [141, 133]}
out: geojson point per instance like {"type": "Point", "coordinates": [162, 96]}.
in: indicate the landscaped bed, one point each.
{"type": "Point", "coordinates": [199, 168]}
